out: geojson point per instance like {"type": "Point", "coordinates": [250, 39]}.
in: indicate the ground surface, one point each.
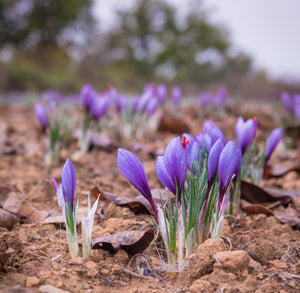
{"type": "Point", "coordinates": [258, 253]}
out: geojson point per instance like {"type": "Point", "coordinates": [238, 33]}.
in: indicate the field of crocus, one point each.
{"type": "Point", "coordinates": [149, 192]}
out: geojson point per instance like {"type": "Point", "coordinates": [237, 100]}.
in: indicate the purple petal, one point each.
{"type": "Point", "coordinates": [163, 175]}
{"type": "Point", "coordinates": [213, 131]}
{"type": "Point", "coordinates": [99, 107]}
{"type": "Point", "coordinates": [287, 102]}
{"type": "Point", "coordinates": [176, 96]}
{"type": "Point", "coordinates": [272, 142]}
{"type": "Point", "coordinates": [87, 95]}
{"type": "Point", "coordinates": [68, 181]}
{"type": "Point", "coordinates": [133, 170]}
{"type": "Point", "coordinates": [41, 115]}
{"type": "Point", "coordinates": [161, 93]}
{"type": "Point", "coordinates": [228, 161]}
{"type": "Point", "coordinates": [213, 160]}
{"type": "Point", "coordinates": [245, 132]}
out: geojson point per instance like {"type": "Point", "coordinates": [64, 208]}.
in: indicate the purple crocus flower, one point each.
{"type": "Point", "coordinates": [172, 167]}
{"type": "Point", "coordinates": [194, 154]}
{"type": "Point", "coordinates": [287, 102]}
{"type": "Point", "coordinates": [176, 96]}
{"type": "Point", "coordinates": [135, 103]}
{"type": "Point", "coordinates": [206, 98]}
{"type": "Point", "coordinates": [228, 166]}
{"type": "Point", "coordinates": [296, 98]}
{"type": "Point", "coordinates": [99, 106]}
{"type": "Point", "coordinates": [161, 93]}
{"type": "Point", "coordinates": [87, 95]}
{"type": "Point", "coordinates": [213, 131]}
{"type": "Point", "coordinates": [297, 112]}
{"type": "Point", "coordinates": [245, 132]}
{"type": "Point", "coordinates": [221, 96]}
{"type": "Point", "coordinates": [272, 142]}
{"type": "Point", "coordinates": [41, 115]}
{"type": "Point", "coordinates": [213, 160]}
{"type": "Point", "coordinates": [133, 170]}
{"type": "Point", "coordinates": [204, 140]}
{"type": "Point", "coordinates": [68, 185]}
{"type": "Point", "coordinates": [151, 106]}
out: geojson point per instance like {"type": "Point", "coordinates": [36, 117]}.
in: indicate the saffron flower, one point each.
{"type": "Point", "coordinates": [67, 200]}
{"type": "Point", "coordinates": [287, 102]}
{"type": "Point", "coordinates": [87, 95]}
{"type": "Point", "coordinates": [272, 142]}
{"type": "Point", "coordinates": [213, 160]}
{"type": "Point", "coordinates": [245, 132]}
{"type": "Point", "coordinates": [213, 131]}
{"type": "Point", "coordinates": [41, 115]}
{"type": "Point", "coordinates": [99, 106]}
{"type": "Point", "coordinates": [171, 168]}
{"type": "Point", "coordinates": [176, 96]}
{"type": "Point", "coordinates": [133, 170]}
{"type": "Point", "coordinates": [229, 160]}
{"type": "Point", "coordinates": [151, 106]}
{"type": "Point", "coordinates": [161, 93]}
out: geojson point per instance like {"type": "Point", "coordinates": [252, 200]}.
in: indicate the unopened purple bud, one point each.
{"type": "Point", "coordinates": [228, 165]}
{"type": "Point", "coordinates": [68, 182]}
{"type": "Point", "coordinates": [204, 140]}
{"type": "Point", "coordinates": [41, 115]}
{"type": "Point", "coordinates": [297, 100]}
{"type": "Point", "coordinates": [149, 88]}
{"type": "Point", "coordinates": [206, 98]}
{"type": "Point", "coordinates": [176, 96]}
{"type": "Point", "coordinates": [287, 101]}
{"type": "Point", "coordinates": [135, 103]}
{"type": "Point", "coordinates": [161, 93]}
{"type": "Point", "coordinates": [151, 106]}
{"type": "Point", "coordinates": [245, 132]}
{"type": "Point", "coordinates": [133, 170]}
{"type": "Point", "coordinates": [99, 107]}
{"type": "Point", "coordinates": [272, 142]}
{"type": "Point", "coordinates": [172, 167]}
{"type": "Point", "coordinates": [213, 160]}
{"type": "Point", "coordinates": [213, 131]}
{"type": "Point", "coordinates": [221, 96]}
{"type": "Point", "coordinates": [87, 95]}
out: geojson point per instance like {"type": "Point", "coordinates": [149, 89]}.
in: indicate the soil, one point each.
{"type": "Point", "coordinates": [256, 253]}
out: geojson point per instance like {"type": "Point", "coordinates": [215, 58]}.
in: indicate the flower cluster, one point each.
{"type": "Point", "coordinates": [291, 103]}
{"type": "Point", "coordinates": [217, 99]}
{"type": "Point", "coordinates": [55, 125]}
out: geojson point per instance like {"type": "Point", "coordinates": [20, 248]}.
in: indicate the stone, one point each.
{"type": "Point", "coordinates": [232, 261]}
{"type": "Point", "coordinates": [200, 286]}
{"type": "Point", "coordinates": [32, 282]}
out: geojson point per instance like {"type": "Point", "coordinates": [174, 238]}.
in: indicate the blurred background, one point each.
{"type": "Point", "coordinates": [249, 47]}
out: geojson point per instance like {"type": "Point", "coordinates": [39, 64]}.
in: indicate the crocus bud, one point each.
{"type": "Point", "coordinates": [172, 167]}
{"type": "Point", "coordinates": [41, 115]}
{"type": "Point", "coordinates": [176, 96]}
{"type": "Point", "coordinates": [151, 106]}
{"type": "Point", "coordinates": [68, 182]}
{"type": "Point", "coordinates": [213, 160]}
{"type": "Point", "coordinates": [287, 101]}
{"type": "Point", "coordinates": [161, 93]}
{"type": "Point", "coordinates": [213, 131]}
{"type": "Point", "coordinates": [221, 96]}
{"type": "Point", "coordinates": [133, 170]}
{"type": "Point", "coordinates": [87, 95]}
{"type": "Point", "coordinates": [228, 165]}
{"type": "Point", "coordinates": [205, 140]}
{"type": "Point", "coordinates": [99, 107]}
{"type": "Point", "coordinates": [245, 132]}
{"type": "Point", "coordinates": [272, 142]}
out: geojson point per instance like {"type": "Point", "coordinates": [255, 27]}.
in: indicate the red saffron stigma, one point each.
{"type": "Point", "coordinates": [184, 141]}
{"type": "Point", "coordinates": [254, 119]}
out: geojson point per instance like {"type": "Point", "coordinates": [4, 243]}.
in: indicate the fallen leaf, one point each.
{"type": "Point", "coordinates": [256, 194]}
{"type": "Point", "coordinates": [293, 131]}
{"type": "Point", "coordinates": [281, 169]}
{"type": "Point", "coordinates": [256, 209]}
{"type": "Point", "coordinates": [132, 242]}
{"type": "Point", "coordinates": [138, 204]}
{"type": "Point", "coordinates": [173, 125]}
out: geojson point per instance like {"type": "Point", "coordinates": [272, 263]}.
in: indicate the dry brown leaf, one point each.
{"type": "Point", "coordinates": [173, 125]}
{"type": "Point", "coordinates": [7, 219]}
{"type": "Point", "coordinates": [132, 242]}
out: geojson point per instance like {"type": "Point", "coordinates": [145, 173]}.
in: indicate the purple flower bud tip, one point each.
{"type": "Point", "coordinates": [228, 166]}
{"type": "Point", "coordinates": [54, 183]}
{"type": "Point", "coordinates": [99, 107]}
{"type": "Point", "coordinates": [287, 102]}
{"type": "Point", "coordinates": [68, 182]}
{"type": "Point", "coordinates": [172, 167]}
{"type": "Point", "coordinates": [245, 132]}
{"type": "Point", "coordinates": [41, 115]}
{"type": "Point", "coordinates": [133, 170]}
{"type": "Point", "coordinates": [272, 142]}
{"type": "Point", "coordinates": [213, 160]}
{"type": "Point", "coordinates": [87, 95]}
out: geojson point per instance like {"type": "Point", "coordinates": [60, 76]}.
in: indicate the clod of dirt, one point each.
{"type": "Point", "coordinates": [232, 261]}
{"type": "Point", "coordinates": [261, 251]}
{"type": "Point", "coordinates": [32, 282]}
{"type": "Point", "coordinates": [202, 286]}
{"type": "Point", "coordinates": [211, 246]}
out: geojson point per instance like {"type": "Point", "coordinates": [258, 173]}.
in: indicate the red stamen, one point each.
{"type": "Point", "coordinates": [254, 119]}
{"type": "Point", "coordinates": [184, 141]}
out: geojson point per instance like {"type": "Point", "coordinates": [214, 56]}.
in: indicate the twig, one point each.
{"type": "Point", "coordinates": [217, 260]}
{"type": "Point", "coordinates": [265, 280]}
{"type": "Point", "coordinates": [243, 247]}
{"type": "Point", "coordinates": [127, 271]}
{"type": "Point", "coordinates": [113, 283]}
